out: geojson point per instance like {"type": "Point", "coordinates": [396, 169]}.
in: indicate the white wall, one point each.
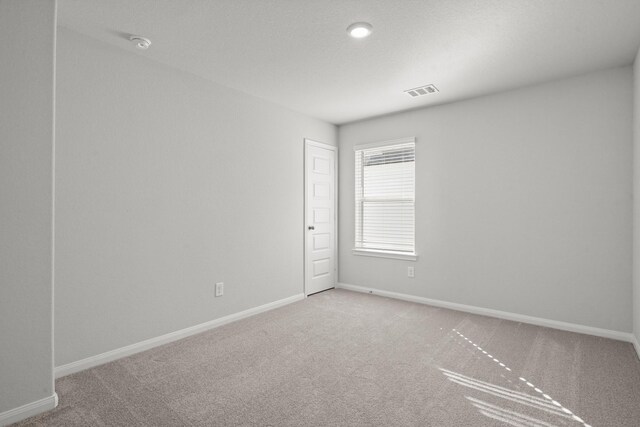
{"type": "Point", "coordinates": [167, 183]}
{"type": "Point", "coordinates": [27, 34]}
{"type": "Point", "coordinates": [636, 201]}
{"type": "Point", "coordinates": [523, 201]}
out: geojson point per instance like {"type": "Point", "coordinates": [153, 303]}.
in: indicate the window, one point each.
{"type": "Point", "coordinates": [385, 199]}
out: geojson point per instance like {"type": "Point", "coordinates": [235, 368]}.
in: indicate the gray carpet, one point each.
{"type": "Point", "coordinates": [344, 358]}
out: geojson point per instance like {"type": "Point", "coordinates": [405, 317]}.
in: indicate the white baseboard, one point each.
{"type": "Point", "coordinates": [555, 324]}
{"type": "Point", "coordinates": [636, 345]}
{"type": "Point", "coordinates": [29, 410]}
{"type": "Point", "coordinates": [90, 362]}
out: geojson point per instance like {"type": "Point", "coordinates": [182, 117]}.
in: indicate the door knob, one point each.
{"type": "Point", "coordinates": [311, 227]}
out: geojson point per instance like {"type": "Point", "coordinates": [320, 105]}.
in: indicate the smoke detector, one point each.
{"type": "Point", "coordinates": [140, 42]}
{"type": "Point", "coordinates": [422, 90]}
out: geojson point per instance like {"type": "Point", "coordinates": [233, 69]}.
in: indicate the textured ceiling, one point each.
{"type": "Point", "coordinates": [296, 53]}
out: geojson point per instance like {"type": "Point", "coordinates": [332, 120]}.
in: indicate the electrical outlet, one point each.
{"type": "Point", "coordinates": [410, 272]}
{"type": "Point", "coordinates": [219, 289]}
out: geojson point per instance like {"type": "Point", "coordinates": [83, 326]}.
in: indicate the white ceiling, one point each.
{"type": "Point", "coordinates": [297, 53]}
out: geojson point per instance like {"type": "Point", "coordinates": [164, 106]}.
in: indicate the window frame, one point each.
{"type": "Point", "coordinates": [383, 253]}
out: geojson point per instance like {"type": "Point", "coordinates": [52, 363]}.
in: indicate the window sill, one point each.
{"type": "Point", "coordinates": [386, 254]}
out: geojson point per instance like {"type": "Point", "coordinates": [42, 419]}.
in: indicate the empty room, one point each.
{"type": "Point", "coordinates": [320, 213]}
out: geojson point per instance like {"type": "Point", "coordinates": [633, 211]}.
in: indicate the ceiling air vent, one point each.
{"type": "Point", "coordinates": [422, 90]}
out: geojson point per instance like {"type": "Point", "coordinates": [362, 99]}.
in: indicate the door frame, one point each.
{"type": "Point", "coordinates": [312, 143]}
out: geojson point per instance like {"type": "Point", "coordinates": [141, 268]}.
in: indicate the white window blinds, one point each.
{"type": "Point", "coordinates": [385, 196]}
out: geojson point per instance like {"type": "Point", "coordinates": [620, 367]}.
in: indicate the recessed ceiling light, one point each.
{"type": "Point", "coordinates": [140, 42]}
{"type": "Point", "coordinates": [359, 30]}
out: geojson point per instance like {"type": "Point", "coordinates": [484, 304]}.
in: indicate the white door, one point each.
{"type": "Point", "coordinates": [320, 217]}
